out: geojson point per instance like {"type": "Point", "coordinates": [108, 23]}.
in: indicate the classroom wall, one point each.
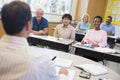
{"type": "Point", "coordinates": [117, 30]}
{"type": "Point", "coordinates": [92, 7]}
{"type": "Point", "coordinates": [96, 8]}
{"type": "Point", "coordinates": [82, 6]}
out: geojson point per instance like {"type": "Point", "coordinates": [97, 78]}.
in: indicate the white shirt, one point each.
{"type": "Point", "coordinates": [19, 61]}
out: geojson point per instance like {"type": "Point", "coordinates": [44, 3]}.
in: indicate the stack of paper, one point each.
{"type": "Point", "coordinates": [70, 75]}
{"type": "Point", "coordinates": [106, 50]}
{"type": "Point", "coordinates": [62, 62]}
{"type": "Point", "coordinates": [93, 69]}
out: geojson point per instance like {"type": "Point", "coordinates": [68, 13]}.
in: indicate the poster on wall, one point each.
{"type": "Point", "coordinates": [113, 9]}
{"type": "Point", "coordinates": [58, 7]}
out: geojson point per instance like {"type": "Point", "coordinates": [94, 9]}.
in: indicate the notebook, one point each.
{"type": "Point", "coordinates": [93, 69]}
{"type": "Point", "coordinates": [63, 62]}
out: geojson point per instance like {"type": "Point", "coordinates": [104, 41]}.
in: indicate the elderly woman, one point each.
{"type": "Point", "coordinates": [65, 30]}
{"type": "Point", "coordinates": [83, 26]}
{"type": "Point", "coordinates": [96, 37]}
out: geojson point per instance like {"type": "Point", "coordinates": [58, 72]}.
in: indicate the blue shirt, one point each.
{"type": "Point", "coordinates": [39, 26]}
{"type": "Point", "coordinates": [83, 26]}
{"type": "Point", "coordinates": [110, 29]}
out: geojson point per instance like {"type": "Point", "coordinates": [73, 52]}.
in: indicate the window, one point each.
{"type": "Point", "coordinates": [58, 7]}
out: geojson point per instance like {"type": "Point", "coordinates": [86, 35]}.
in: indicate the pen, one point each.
{"type": "Point", "coordinates": [53, 58]}
{"type": "Point", "coordinates": [79, 67]}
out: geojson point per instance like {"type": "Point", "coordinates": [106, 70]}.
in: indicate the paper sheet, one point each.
{"type": "Point", "coordinates": [106, 50]}
{"type": "Point", "coordinates": [63, 62]}
{"type": "Point", "coordinates": [94, 69]}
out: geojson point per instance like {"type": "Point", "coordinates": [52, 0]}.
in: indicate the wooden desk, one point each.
{"type": "Point", "coordinates": [80, 60]}
{"type": "Point", "coordinates": [51, 42]}
{"type": "Point", "coordinates": [96, 55]}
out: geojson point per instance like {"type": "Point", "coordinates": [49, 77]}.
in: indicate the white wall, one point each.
{"type": "Point", "coordinates": [117, 30]}
{"type": "Point", "coordinates": [57, 18]}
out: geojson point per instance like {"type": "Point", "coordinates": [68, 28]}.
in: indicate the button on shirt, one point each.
{"type": "Point", "coordinates": [96, 37]}
{"type": "Point", "coordinates": [65, 32]}
{"type": "Point", "coordinates": [110, 29]}
{"type": "Point", "coordinates": [41, 25]}
{"type": "Point", "coordinates": [18, 61]}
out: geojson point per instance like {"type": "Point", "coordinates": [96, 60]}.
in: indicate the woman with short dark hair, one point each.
{"type": "Point", "coordinates": [65, 30]}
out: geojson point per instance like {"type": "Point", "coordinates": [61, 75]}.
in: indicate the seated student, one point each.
{"type": "Point", "coordinates": [19, 61]}
{"type": "Point", "coordinates": [108, 27]}
{"type": "Point", "coordinates": [40, 24]}
{"type": "Point", "coordinates": [83, 26]}
{"type": "Point", "coordinates": [65, 30]}
{"type": "Point", "coordinates": [96, 37]}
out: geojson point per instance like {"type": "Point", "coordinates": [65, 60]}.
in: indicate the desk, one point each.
{"type": "Point", "coordinates": [80, 60]}
{"type": "Point", "coordinates": [118, 40]}
{"type": "Point", "coordinates": [113, 57]}
{"type": "Point", "coordinates": [96, 55]}
{"type": "Point", "coordinates": [79, 36]}
{"type": "Point", "coordinates": [51, 42]}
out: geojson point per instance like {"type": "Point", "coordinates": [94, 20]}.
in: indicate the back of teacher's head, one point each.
{"type": "Point", "coordinates": [14, 16]}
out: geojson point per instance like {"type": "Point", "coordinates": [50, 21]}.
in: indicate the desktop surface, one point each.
{"type": "Point", "coordinates": [80, 60]}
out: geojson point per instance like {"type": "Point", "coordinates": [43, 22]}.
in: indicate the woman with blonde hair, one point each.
{"type": "Point", "coordinates": [83, 26]}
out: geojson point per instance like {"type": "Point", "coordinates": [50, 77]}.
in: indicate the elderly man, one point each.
{"type": "Point", "coordinates": [40, 24]}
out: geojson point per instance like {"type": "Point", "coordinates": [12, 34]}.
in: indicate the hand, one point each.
{"type": "Point", "coordinates": [79, 31]}
{"type": "Point", "coordinates": [83, 42]}
{"type": "Point", "coordinates": [38, 32]}
{"type": "Point", "coordinates": [63, 71]}
{"type": "Point", "coordinates": [95, 45]}
{"type": "Point", "coordinates": [58, 36]}
{"type": "Point", "coordinates": [34, 32]}
{"type": "Point", "coordinates": [41, 32]}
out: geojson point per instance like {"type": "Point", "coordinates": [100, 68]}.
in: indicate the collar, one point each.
{"type": "Point", "coordinates": [65, 27]}
{"type": "Point", "coordinates": [14, 40]}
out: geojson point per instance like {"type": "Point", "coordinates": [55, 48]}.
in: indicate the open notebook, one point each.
{"type": "Point", "coordinates": [63, 62]}
{"type": "Point", "coordinates": [93, 69]}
